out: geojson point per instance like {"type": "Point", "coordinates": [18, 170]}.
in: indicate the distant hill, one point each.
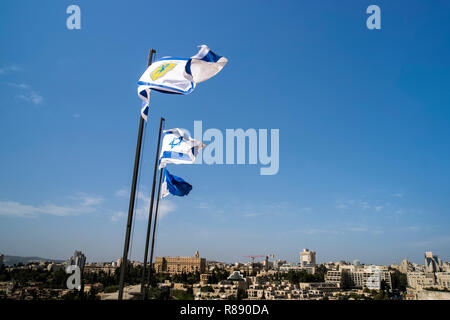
{"type": "Point", "coordinates": [12, 260]}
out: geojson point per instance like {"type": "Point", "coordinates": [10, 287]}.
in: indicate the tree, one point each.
{"type": "Point", "coordinates": [183, 295]}
{"type": "Point", "coordinates": [217, 275]}
{"type": "Point", "coordinates": [383, 286]}
{"type": "Point", "coordinates": [207, 289]}
{"type": "Point", "coordinates": [241, 294]}
{"type": "Point", "coordinates": [92, 295]}
{"type": "Point", "coordinates": [380, 295]}
{"type": "Point", "coordinates": [110, 289]}
{"type": "Point", "coordinates": [320, 273]}
{"type": "Point", "coordinates": [399, 281]}
{"type": "Point", "coordinates": [153, 293]}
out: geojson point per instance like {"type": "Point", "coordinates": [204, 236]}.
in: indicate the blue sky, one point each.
{"type": "Point", "coordinates": [363, 118]}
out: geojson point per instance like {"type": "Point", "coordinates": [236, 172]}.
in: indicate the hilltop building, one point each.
{"type": "Point", "coordinates": [178, 265]}
{"type": "Point", "coordinates": [78, 259]}
{"type": "Point", "coordinates": [307, 258]}
{"type": "Point", "coordinates": [432, 263]}
{"type": "Point", "coordinates": [434, 276]}
{"type": "Point", "coordinates": [350, 276]}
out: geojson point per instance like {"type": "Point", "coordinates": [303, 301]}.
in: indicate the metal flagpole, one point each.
{"type": "Point", "coordinates": [150, 211]}
{"type": "Point", "coordinates": [126, 246]}
{"type": "Point", "coordinates": [154, 226]}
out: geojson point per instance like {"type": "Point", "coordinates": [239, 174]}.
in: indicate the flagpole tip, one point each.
{"type": "Point", "coordinates": [150, 56]}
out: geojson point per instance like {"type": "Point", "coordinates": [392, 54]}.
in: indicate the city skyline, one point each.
{"type": "Point", "coordinates": [195, 278]}
{"type": "Point", "coordinates": [248, 259]}
{"type": "Point", "coordinates": [361, 113]}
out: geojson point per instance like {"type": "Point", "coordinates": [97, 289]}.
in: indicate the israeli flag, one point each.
{"type": "Point", "coordinates": [178, 148]}
{"type": "Point", "coordinates": [174, 185]}
{"type": "Point", "coordinates": [178, 75]}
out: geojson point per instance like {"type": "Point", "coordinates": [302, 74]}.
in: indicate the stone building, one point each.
{"type": "Point", "coordinates": [307, 258]}
{"type": "Point", "coordinates": [178, 265]}
{"type": "Point", "coordinates": [359, 277]}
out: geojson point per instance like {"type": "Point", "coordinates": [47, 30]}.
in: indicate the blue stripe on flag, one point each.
{"type": "Point", "coordinates": [144, 112]}
{"type": "Point", "coordinates": [211, 57]}
{"type": "Point", "coordinates": [187, 68]}
{"type": "Point", "coordinates": [175, 155]}
{"type": "Point", "coordinates": [166, 87]}
{"type": "Point", "coordinates": [172, 58]}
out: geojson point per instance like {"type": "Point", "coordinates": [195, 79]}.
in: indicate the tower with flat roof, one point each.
{"type": "Point", "coordinates": [307, 258]}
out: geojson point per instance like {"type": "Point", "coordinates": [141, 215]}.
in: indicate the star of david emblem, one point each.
{"type": "Point", "coordinates": [175, 142]}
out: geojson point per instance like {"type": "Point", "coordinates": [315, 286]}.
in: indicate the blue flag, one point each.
{"type": "Point", "coordinates": [174, 185]}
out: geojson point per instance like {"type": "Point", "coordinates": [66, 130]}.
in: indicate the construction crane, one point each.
{"type": "Point", "coordinates": [260, 256]}
{"type": "Point", "coordinates": [255, 256]}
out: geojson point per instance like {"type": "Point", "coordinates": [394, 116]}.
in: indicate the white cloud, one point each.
{"type": "Point", "coordinates": [280, 205]}
{"type": "Point", "coordinates": [358, 204]}
{"type": "Point", "coordinates": [251, 214]}
{"type": "Point", "coordinates": [84, 204]}
{"type": "Point", "coordinates": [440, 240]}
{"type": "Point", "coordinates": [203, 205]}
{"type": "Point", "coordinates": [12, 208]}
{"type": "Point", "coordinates": [62, 211]}
{"type": "Point", "coordinates": [91, 201]}
{"type": "Point", "coordinates": [87, 200]}
{"type": "Point", "coordinates": [81, 203]}
{"type": "Point", "coordinates": [27, 93]}
{"type": "Point", "coordinates": [341, 206]}
{"type": "Point", "coordinates": [165, 207]}
{"type": "Point", "coordinates": [122, 193]}
{"type": "Point", "coordinates": [19, 85]}
{"type": "Point", "coordinates": [117, 216]}
{"type": "Point", "coordinates": [338, 230]}
{"type": "Point", "coordinates": [364, 205]}
{"type": "Point", "coordinates": [9, 69]}
{"type": "Point", "coordinates": [357, 229]}
{"type": "Point", "coordinates": [31, 97]}
{"type": "Point", "coordinates": [143, 204]}
{"type": "Point", "coordinates": [317, 231]}
{"type": "Point", "coordinates": [141, 196]}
